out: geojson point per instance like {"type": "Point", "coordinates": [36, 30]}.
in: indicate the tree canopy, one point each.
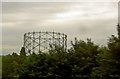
{"type": "Point", "coordinates": [84, 60]}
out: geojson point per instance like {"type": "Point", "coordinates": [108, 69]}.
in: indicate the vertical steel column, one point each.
{"type": "Point", "coordinates": [65, 42]}
{"type": "Point", "coordinates": [39, 40]}
{"type": "Point", "coordinates": [33, 42]}
{"type": "Point", "coordinates": [59, 39]}
{"type": "Point", "coordinates": [24, 39]}
{"type": "Point", "coordinates": [53, 38]}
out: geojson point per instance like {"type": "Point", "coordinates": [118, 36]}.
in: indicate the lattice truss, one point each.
{"type": "Point", "coordinates": [41, 41]}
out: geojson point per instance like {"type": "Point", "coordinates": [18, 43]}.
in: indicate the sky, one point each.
{"type": "Point", "coordinates": [95, 20]}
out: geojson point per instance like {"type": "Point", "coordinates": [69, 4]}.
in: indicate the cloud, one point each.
{"type": "Point", "coordinates": [83, 20]}
{"type": "Point", "coordinates": [60, 1]}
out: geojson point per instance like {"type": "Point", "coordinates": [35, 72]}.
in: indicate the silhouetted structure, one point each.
{"type": "Point", "coordinates": [41, 41]}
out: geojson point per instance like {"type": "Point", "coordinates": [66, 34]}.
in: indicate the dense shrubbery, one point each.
{"type": "Point", "coordinates": [84, 60]}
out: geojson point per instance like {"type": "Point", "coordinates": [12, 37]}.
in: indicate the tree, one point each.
{"type": "Point", "coordinates": [83, 58]}
{"type": "Point", "coordinates": [22, 52]}
{"type": "Point", "coordinates": [109, 60]}
{"type": "Point", "coordinates": [114, 49]}
{"type": "Point", "coordinates": [10, 66]}
{"type": "Point", "coordinates": [104, 67]}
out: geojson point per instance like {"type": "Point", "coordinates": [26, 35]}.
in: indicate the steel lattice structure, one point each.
{"type": "Point", "coordinates": [41, 41]}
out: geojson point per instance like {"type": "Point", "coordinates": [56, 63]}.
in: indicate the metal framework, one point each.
{"type": "Point", "coordinates": [41, 41]}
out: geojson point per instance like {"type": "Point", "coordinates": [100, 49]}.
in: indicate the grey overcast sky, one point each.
{"type": "Point", "coordinates": [95, 20]}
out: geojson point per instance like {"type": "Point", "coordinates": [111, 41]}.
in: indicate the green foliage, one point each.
{"type": "Point", "coordinates": [84, 60]}
{"type": "Point", "coordinates": [22, 52]}
{"type": "Point", "coordinates": [11, 65]}
{"type": "Point", "coordinates": [83, 57]}
{"type": "Point", "coordinates": [103, 61]}
{"type": "Point", "coordinates": [108, 60]}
